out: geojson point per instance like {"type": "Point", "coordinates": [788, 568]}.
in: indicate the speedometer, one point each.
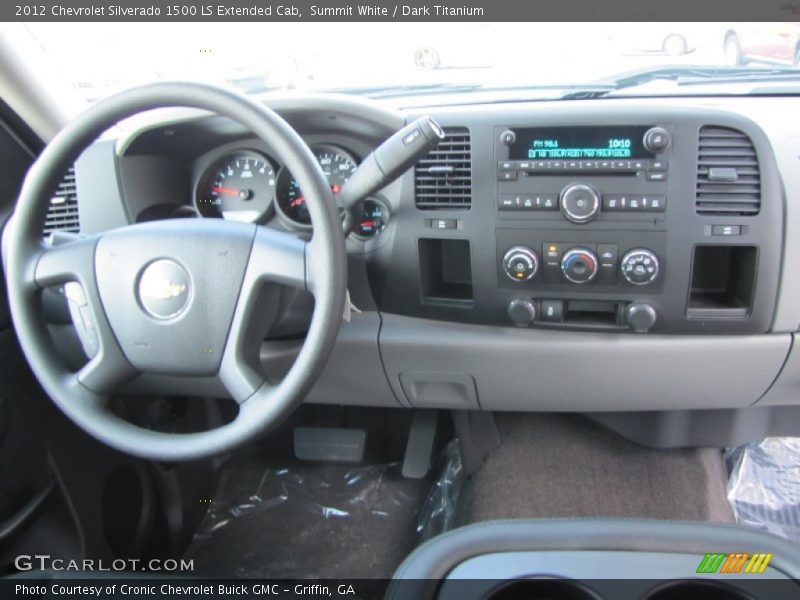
{"type": "Point", "coordinates": [337, 165]}
{"type": "Point", "coordinates": [238, 187]}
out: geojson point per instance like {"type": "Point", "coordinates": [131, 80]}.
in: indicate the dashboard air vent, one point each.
{"type": "Point", "coordinates": [443, 178]}
{"type": "Point", "coordinates": [728, 177]}
{"type": "Point", "coordinates": [63, 212]}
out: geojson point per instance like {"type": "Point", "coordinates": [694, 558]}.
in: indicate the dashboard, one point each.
{"type": "Point", "coordinates": [557, 240]}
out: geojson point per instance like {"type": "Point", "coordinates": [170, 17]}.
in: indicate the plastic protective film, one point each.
{"type": "Point", "coordinates": [358, 521]}
{"type": "Point", "coordinates": [764, 486]}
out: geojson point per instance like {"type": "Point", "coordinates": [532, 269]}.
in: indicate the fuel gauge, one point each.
{"type": "Point", "coordinates": [371, 219]}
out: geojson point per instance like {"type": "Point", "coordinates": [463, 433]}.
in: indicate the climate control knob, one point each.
{"type": "Point", "coordinates": [639, 266]}
{"type": "Point", "coordinates": [579, 265]}
{"type": "Point", "coordinates": [580, 202]}
{"type": "Point", "coordinates": [520, 263]}
{"type": "Point", "coordinates": [521, 311]}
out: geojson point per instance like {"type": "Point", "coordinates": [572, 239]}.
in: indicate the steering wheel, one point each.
{"type": "Point", "coordinates": [175, 298]}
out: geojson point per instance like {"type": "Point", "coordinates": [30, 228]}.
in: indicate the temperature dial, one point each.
{"type": "Point", "coordinates": [579, 265]}
{"type": "Point", "coordinates": [639, 266]}
{"type": "Point", "coordinates": [520, 263]}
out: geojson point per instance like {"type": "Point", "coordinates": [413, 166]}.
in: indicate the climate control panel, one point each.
{"type": "Point", "coordinates": [579, 264]}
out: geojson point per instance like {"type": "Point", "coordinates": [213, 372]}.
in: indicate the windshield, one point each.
{"type": "Point", "coordinates": [388, 59]}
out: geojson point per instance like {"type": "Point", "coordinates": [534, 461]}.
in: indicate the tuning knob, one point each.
{"type": "Point", "coordinates": [640, 316]}
{"type": "Point", "coordinates": [580, 202]}
{"type": "Point", "coordinates": [656, 140]}
{"type": "Point", "coordinates": [521, 311]}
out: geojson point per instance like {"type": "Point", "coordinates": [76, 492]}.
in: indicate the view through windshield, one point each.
{"type": "Point", "coordinates": [99, 59]}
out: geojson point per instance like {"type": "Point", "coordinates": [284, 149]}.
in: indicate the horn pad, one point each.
{"type": "Point", "coordinates": [170, 289]}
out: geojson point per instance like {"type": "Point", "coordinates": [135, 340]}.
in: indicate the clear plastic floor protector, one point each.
{"type": "Point", "coordinates": [322, 520]}
{"type": "Point", "coordinates": [438, 514]}
{"type": "Point", "coordinates": [764, 486]}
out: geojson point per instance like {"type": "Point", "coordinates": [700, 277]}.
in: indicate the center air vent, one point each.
{"type": "Point", "coordinates": [443, 179]}
{"type": "Point", "coordinates": [63, 212]}
{"type": "Point", "coordinates": [728, 177]}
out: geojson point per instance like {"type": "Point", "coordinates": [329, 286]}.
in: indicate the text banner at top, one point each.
{"type": "Point", "coordinates": [410, 11]}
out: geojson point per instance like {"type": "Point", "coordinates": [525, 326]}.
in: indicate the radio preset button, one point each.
{"type": "Point", "coordinates": [612, 203]}
{"type": "Point", "coordinates": [506, 165]}
{"type": "Point", "coordinates": [657, 176]}
{"type": "Point", "coordinates": [580, 203]}
{"type": "Point", "coordinates": [654, 203]}
{"type": "Point", "coordinates": [507, 175]}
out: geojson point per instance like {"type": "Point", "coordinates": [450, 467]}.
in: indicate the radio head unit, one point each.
{"type": "Point", "coordinates": [580, 143]}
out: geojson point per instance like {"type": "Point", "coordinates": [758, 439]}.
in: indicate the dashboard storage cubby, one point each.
{"type": "Point", "coordinates": [446, 270]}
{"type": "Point", "coordinates": [723, 282]}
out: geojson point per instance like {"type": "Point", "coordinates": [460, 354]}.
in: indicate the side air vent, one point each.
{"type": "Point", "coordinates": [443, 179]}
{"type": "Point", "coordinates": [63, 212]}
{"type": "Point", "coordinates": [728, 177]}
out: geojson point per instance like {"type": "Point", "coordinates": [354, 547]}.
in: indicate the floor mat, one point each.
{"type": "Point", "coordinates": [565, 466]}
{"type": "Point", "coordinates": [309, 521]}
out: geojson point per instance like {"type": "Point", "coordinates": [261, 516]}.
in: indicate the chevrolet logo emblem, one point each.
{"type": "Point", "coordinates": [161, 289]}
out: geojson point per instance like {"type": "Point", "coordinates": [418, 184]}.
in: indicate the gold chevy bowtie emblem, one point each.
{"type": "Point", "coordinates": [160, 289]}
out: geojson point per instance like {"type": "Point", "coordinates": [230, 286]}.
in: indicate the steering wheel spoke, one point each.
{"type": "Point", "coordinates": [277, 257]}
{"type": "Point", "coordinates": [71, 261]}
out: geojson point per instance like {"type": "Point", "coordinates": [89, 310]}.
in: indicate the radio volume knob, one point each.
{"type": "Point", "coordinates": [580, 203]}
{"type": "Point", "coordinates": [508, 137]}
{"type": "Point", "coordinates": [520, 263]}
{"type": "Point", "coordinates": [579, 265]}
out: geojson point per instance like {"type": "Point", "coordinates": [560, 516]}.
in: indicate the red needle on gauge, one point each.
{"type": "Point", "coordinates": [224, 190]}
{"type": "Point", "coordinates": [297, 201]}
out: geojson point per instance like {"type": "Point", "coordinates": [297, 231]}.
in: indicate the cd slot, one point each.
{"type": "Point", "coordinates": [578, 172]}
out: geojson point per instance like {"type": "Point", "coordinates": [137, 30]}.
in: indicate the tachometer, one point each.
{"type": "Point", "coordinates": [238, 187]}
{"type": "Point", "coordinates": [337, 165]}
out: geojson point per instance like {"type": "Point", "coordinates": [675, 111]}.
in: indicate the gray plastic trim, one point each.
{"type": "Point", "coordinates": [539, 370]}
{"type": "Point", "coordinates": [786, 389]}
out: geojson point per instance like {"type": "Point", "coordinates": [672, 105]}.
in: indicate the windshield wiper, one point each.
{"type": "Point", "coordinates": [687, 75]}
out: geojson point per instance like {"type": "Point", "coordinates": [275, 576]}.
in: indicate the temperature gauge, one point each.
{"type": "Point", "coordinates": [371, 218]}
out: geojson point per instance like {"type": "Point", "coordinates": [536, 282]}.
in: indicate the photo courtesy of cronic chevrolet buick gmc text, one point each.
{"type": "Point", "coordinates": [419, 321]}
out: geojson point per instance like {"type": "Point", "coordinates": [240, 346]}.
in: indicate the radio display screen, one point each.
{"type": "Point", "coordinates": [605, 142]}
